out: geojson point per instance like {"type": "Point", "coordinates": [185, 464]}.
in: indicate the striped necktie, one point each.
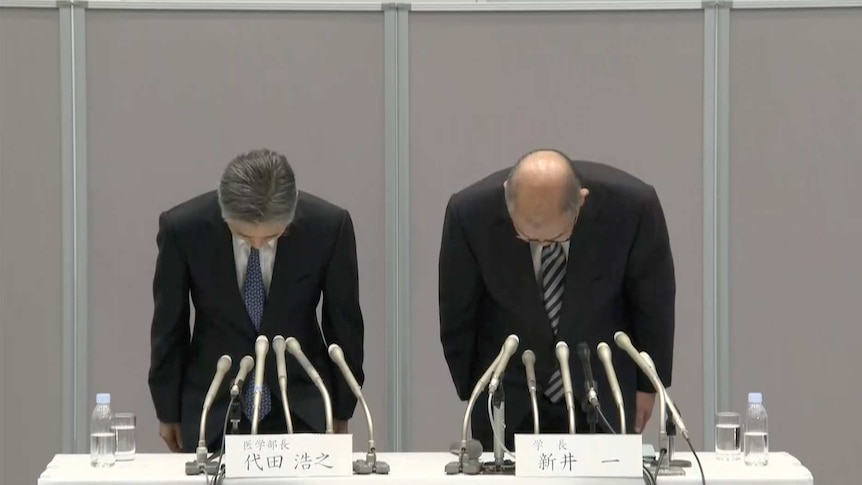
{"type": "Point", "coordinates": [254, 296]}
{"type": "Point", "coordinates": [553, 273]}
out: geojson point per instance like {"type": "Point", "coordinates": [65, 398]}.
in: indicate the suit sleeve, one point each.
{"type": "Point", "coordinates": [169, 334]}
{"type": "Point", "coordinates": [342, 316]}
{"type": "Point", "coordinates": [460, 295]}
{"type": "Point", "coordinates": [651, 291]}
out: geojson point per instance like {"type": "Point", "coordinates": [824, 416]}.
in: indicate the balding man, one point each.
{"type": "Point", "coordinates": [555, 250]}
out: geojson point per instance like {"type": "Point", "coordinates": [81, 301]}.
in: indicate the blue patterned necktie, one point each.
{"type": "Point", "coordinates": [553, 273]}
{"type": "Point", "coordinates": [254, 296]}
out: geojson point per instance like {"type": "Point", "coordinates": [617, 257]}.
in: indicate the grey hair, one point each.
{"type": "Point", "coordinates": [258, 187]}
{"type": "Point", "coordinates": [571, 202]}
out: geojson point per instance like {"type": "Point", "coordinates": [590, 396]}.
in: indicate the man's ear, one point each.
{"type": "Point", "coordinates": [584, 194]}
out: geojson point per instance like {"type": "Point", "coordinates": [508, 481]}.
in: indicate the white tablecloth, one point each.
{"type": "Point", "coordinates": [407, 469]}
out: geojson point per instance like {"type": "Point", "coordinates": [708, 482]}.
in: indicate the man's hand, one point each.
{"type": "Point", "coordinates": [172, 436]}
{"type": "Point", "coordinates": [339, 426]}
{"type": "Point", "coordinates": [644, 403]}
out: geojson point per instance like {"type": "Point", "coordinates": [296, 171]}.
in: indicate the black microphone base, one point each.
{"type": "Point", "coordinates": [493, 468]}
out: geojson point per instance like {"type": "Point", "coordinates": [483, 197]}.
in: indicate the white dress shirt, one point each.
{"type": "Point", "coordinates": [536, 250]}
{"type": "Point", "coordinates": [241, 250]}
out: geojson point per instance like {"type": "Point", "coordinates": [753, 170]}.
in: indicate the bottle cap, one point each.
{"type": "Point", "coordinates": [103, 398]}
{"type": "Point", "coordinates": [755, 398]}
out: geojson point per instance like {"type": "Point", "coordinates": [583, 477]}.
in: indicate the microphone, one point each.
{"type": "Point", "coordinates": [245, 365]}
{"type": "Point", "coordinates": [624, 342]}
{"type": "Point", "coordinates": [562, 351]}
{"type": "Point", "coordinates": [281, 369]}
{"type": "Point", "coordinates": [296, 350]}
{"type": "Point", "coordinates": [370, 465]}
{"type": "Point", "coordinates": [222, 367]}
{"type": "Point", "coordinates": [583, 351]}
{"type": "Point", "coordinates": [674, 411]}
{"type": "Point", "coordinates": [604, 352]}
{"type": "Point", "coordinates": [510, 345]}
{"type": "Point", "coordinates": [662, 398]}
{"type": "Point", "coordinates": [529, 360]}
{"type": "Point", "coordinates": [465, 463]}
{"type": "Point", "coordinates": [261, 347]}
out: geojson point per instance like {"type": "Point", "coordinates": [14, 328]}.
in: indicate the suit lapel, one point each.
{"type": "Point", "coordinates": [584, 246]}
{"type": "Point", "coordinates": [226, 277]}
{"type": "Point", "coordinates": [516, 282]}
{"type": "Point", "coordinates": [287, 268]}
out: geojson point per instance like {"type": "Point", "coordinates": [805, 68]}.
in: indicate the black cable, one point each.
{"type": "Point", "coordinates": [648, 478]}
{"type": "Point", "coordinates": [223, 435]}
{"type": "Point", "coordinates": [661, 455]}
{"type": "Point", "coordinates": [691, 447]}
{"type": "Point", "coordinates": [605, 422]}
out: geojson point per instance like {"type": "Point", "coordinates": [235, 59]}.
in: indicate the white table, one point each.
{"type": "Point", "coordinates": [407, 469]}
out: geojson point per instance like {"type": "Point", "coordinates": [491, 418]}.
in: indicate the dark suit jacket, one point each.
{"type": "Point", "coordinates": [620, 276]}
{"type": "Point", "coordinates": [316, 255]}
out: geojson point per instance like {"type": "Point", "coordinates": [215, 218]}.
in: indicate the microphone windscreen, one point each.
{"type": "Point", "coordinates": [474, 448]}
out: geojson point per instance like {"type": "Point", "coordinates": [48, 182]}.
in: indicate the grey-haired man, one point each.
{"type": "Point", "coordinates": [255, 256]}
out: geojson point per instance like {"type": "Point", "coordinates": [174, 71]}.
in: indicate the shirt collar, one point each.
{"type": "Point", "coordinates": [242, 243]}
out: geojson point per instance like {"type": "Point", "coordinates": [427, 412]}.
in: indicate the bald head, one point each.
{"type": "Point", "coordinates": [543, 195]}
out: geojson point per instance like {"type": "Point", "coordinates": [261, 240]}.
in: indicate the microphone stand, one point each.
{"type": "Point", "coordinates": [235, 413]}
{"type": "Point", "coordinates": [671, 435]}
{"type": "Point", "coordinates": [465, 464]}
{"type": "Point", "coordinates": [500, 465]}
{"type": "Point", "coordinates": [592, 416]}
{"type": "Point", "coordinates": [371, 464]}
{"type": "Point", "coordinates": [665, 467]}
{"type": "Point", "coordinates": [498, 423]}
{"type": "Point", "coordinates": [534, 404]}
{"type": "Point", "coordinates": [210, 466]}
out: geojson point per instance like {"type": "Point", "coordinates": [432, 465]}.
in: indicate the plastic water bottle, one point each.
{"type": "Point", "coordinates": [103, 440]}
{"type": "Point", "coordinates": [756, 437]}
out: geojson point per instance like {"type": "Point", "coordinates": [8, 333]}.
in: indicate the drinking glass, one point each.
{"type": "Point", "coordinates": [728, 436]}
{"type": "Point", "coordinates": [123, 425]}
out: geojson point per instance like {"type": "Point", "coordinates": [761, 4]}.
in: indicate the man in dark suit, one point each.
{"type": "Point", "coordinates": [255, 257]}
{"type": "Point", "coordinates": [555, 250]}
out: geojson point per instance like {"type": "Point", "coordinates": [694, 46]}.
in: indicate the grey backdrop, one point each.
{"type": "Point", "coordinates": [796, 230]}
{"type": "Point", "coordinates": [30, 243]}
{"type": "Point", "coordinates": [173, 95]}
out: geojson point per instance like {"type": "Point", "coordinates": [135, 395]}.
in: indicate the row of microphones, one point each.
{"type": "Point", "coordinates": [280, 345]}
{"type": "Point", "coordinates": [469, 451]}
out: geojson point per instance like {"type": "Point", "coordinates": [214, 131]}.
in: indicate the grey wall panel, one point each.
{"type": "Point", "coordinates": [172, 97]}
{"type": "Point", "coordinates": [796, 230]}
{"type": "Point", "coordinates": [30, 242]}
{"type": "Point", "coordinates": [621, 88]}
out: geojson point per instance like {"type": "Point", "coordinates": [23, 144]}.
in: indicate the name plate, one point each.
{"type": "Point", "coordinates": [288, 455]}
{"type": "Point", "coordinates": [578, 455]}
